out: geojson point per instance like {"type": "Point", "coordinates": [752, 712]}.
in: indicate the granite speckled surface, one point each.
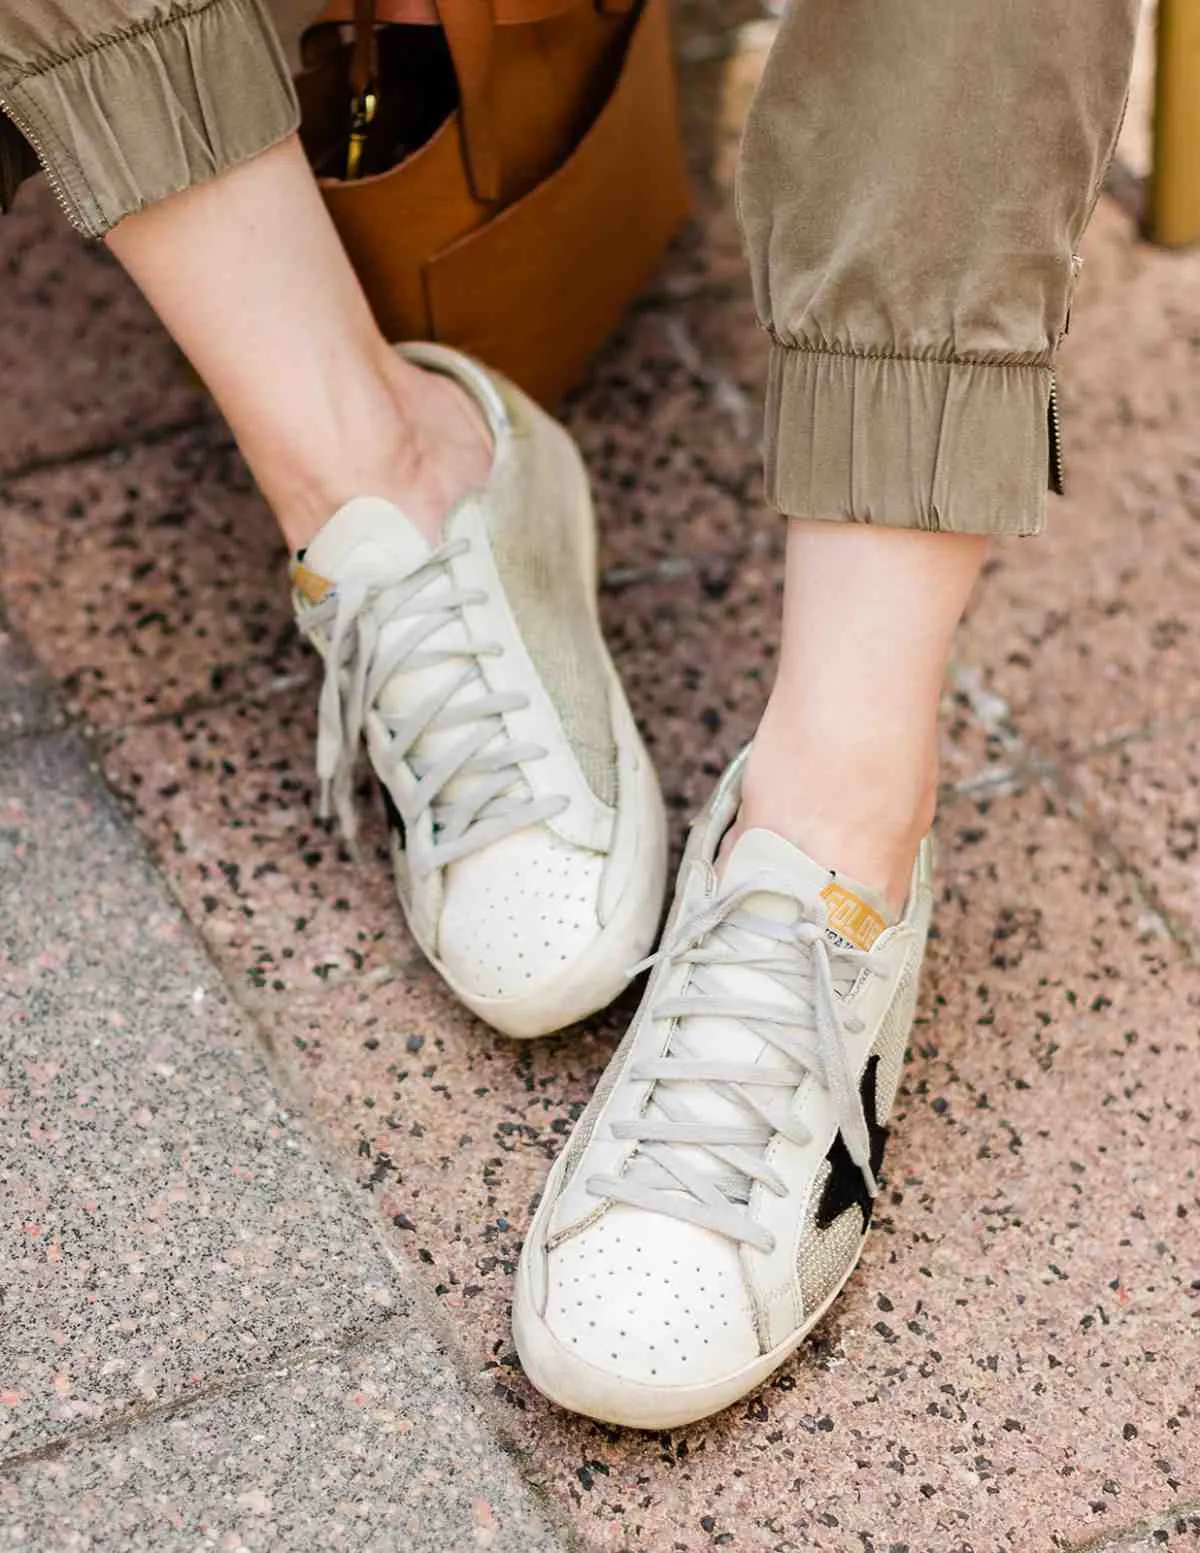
{"type": "Point", "coordinates": [151, 579]}
{"type": "Point", "coordinates": [83, 361]}
{"type": "Point", "coordinates": [271, 886]}
{"type": "Point", "coordinates": [167, 1226]}
{"type": "Point", "coordinates": [371, 1451]}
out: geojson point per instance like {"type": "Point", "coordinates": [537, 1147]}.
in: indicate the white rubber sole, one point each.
{"type": "Point", "coordinates": [570, 1382]}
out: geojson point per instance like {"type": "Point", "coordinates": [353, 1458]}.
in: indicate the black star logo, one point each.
{"type": "Point", "coordinates": [394, 818]}
{"type": "Point", "coordinates": [845, 1186]}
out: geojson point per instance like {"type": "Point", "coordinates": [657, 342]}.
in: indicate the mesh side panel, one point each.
{"type": "Point", "coordinates": [537, 556]}
{"type": "Point", "coordinates": [586, 1124]}
{"type": "Point", "coordinates": [892, 1040]}
{"type": "Point", "coordinates": [826, 1256]}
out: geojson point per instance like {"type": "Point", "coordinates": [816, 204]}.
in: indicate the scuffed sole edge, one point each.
{"type": "Point", "coordinates": [571, 1383]}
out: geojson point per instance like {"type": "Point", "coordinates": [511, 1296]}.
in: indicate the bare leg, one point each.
{"type": "Point", "coordinates": [248, 274]}
{"type": "Point", "coordinates": [845, 761]}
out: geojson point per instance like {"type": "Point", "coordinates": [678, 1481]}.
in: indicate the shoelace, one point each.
{"type": "Point", "coordinates": [806, 1027]}
{"type": "Point", "coordinates": [496, 802]}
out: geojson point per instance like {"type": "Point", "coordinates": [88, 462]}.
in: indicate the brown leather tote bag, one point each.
{"type": "Point", "coordinates": [537, 205]}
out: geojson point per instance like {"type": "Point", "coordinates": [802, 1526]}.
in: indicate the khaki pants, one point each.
{"type": "Point", "coordinates": [915, 179]}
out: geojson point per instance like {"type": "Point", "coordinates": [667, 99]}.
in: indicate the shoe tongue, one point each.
{"type": "Point", "coordinates": [854, 914]}
{"type": "Point", "coordinates": [373, 538]}
{"type": "Point", "coordinates": [363, 535]}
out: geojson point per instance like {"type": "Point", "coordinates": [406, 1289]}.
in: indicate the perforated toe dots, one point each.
{"type": "Point", "coordinates": [519, 912]}
{"type": "Point", "coordinates": [651, 1299]}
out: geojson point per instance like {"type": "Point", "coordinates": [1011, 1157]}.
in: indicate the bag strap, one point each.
{"type": "Point", "coordinates": [364, 59]}
{"type": "Point", "coordinates": [470, 28]}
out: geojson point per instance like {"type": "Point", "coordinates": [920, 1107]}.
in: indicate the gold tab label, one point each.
{"type": "Point", "coordinates": [850, 917]}
{"type": "Point", "coordinates": [310, 585]}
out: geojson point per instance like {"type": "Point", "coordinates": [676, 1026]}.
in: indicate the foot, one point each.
{"type": "Point", "coordinates": [716, 1194]}
{"type": "Point", "coordinates": [527, 829]}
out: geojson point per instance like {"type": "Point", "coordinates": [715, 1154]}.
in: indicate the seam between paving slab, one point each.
{"type": "Point", "coordinates": [1146, 1527]}
{"type": "Point", "coordinates": [425, 1313]}
{"type": "Point", "coordinates": [94, 451]}
{"type": "Point", "coordinates": [382, 1335]}
{"type": "Point", "coordinates": [136, 1416]}
{"type": "Point", "coordinates": [1026, 766]}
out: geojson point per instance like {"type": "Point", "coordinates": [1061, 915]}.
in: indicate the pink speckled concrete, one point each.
{"type": "Point", "coordinates": [83, 361]}
{"type": "Point", "coordinates": [1008, 1361]}
{"type": "Point", "coordinates": [1144, 797]}
{"type": "Point", "coordinates": [227, 799]}
{"type": "Point", "coordinates": [671, 444]}
{"type": "Point", "coordinates": [1091, 631]}
{"type": "Point", "coordinates": [151, 580]}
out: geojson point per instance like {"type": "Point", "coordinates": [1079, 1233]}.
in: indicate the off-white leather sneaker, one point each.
{"type": "Point", "coordinates": [715, 1195]}
{"type": "Point", "coordinates": [528, 833]}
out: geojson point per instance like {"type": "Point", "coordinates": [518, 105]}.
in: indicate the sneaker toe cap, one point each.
{"type": "Point", "coordinates": [651, 1300]}
{"type": "Point", "coordinates": [518, 913]}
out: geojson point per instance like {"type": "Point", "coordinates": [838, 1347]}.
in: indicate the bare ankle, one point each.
{"type": "Point", "coordinates": [413, 437]}
{"type": "Point", "coordinates": [852, 811]}
{"type": "Point", "coordinates": [449, 445]}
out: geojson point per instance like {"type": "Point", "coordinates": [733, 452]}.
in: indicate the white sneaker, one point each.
{"type": "Point", "coordinates": [528, 833]}
{"type": "Point", "coordinates": [715, 1195]}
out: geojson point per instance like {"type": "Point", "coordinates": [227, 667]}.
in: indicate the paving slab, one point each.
{"type": "Point", "coordinates": [1010, 1367]}
{"type": "Point", "coordinates": [205, 1342]}
{"type": "Point", "coordinates": [150, 580]}
{"type": "Point", "coordinates": [168, 1227]}
{"type": "Point", "coordinates": [228, 800]}
{"type": "Point", "coordinates": [83, 361]}
{"type": "Point", "coordinates": [365, 1452]}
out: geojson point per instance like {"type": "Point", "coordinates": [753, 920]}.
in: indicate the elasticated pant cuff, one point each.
{"type": "Point", "coordinates": [956, 447]}
{"type": "Point", "coordinates": [145, 112]}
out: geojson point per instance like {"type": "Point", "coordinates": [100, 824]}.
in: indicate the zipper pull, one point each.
{"type": "Point", "coordinates": [362, 116]}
